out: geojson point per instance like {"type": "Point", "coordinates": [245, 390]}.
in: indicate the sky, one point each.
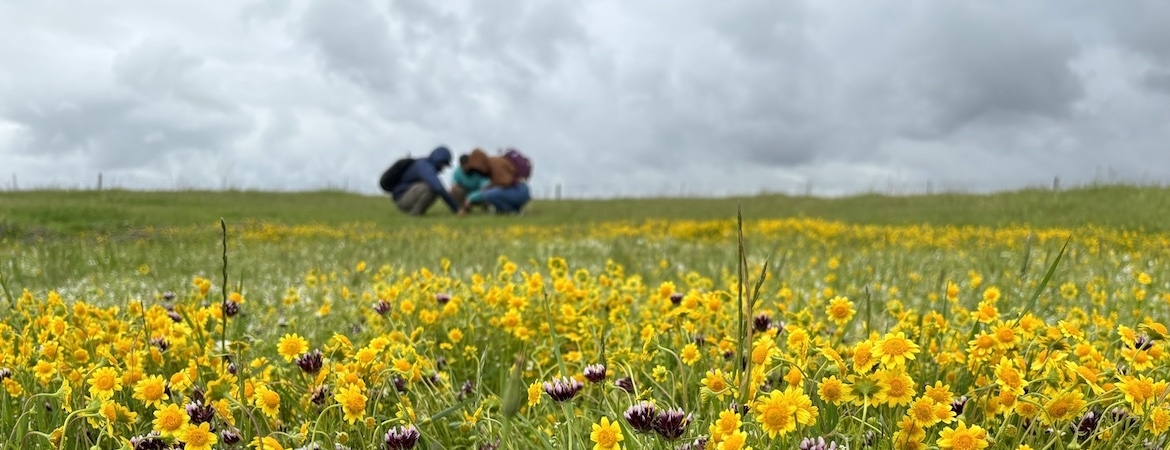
{"type": "Point", "coordinates": [608, 97]}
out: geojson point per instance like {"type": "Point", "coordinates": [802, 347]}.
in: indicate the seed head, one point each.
{"type": "Point", "coordinates": [310, 362]}
{"type": "Point", "coordinates": [401, 438]}
{"type": "Point", "coordinates": [672, 423]}
{"type": "Point", "coordinates": [625, 383]}
{"type": "Point", "coordinates": [641, 416]}
{"type": "Point", "coordinates": [595, 373]}
{"type": "Point", "coordinates": [562, 388]}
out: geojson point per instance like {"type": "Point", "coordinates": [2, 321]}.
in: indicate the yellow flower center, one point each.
{"type": "Point", "coordinates": [197, 437]}
{"type": "Point", "coordinates": [354, 403]}
{"type": "Point", "coordinates": [170, 421]}
{"type": "Point", "coordinates": [153, 391]}
{"type": "Point", "coordinates": [922, 411]}
{"type": "Point", "coordinates": [895, 347]}
{"type": "Point", "coordinates": [775, 417]}
{"type": "Point", "coordinates": [896, 387]}
{"type": "Point", "coordinates": [831, 392]}
{"type": "Point", "coordinates": [963, 442]}
{"type": "Point", "coordinates": [270, 399]}
{"type": "Point", "coordinates": [606, 437]}
{"type": "Point", "coordinates": [104, 381]}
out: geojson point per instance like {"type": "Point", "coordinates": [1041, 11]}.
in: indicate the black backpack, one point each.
{"type": "Point", "coordinates": [392, 176]}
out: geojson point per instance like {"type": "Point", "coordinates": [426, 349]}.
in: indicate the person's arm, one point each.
{"type": "Point", "coordinates": [475, 197]}
{"type": "Point", "coordinates": [431, 178]}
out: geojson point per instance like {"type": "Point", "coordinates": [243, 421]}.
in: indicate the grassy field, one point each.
{"type": "Point", "coordinates": [1125, 207]}
{"type": "Point", "coordinates": [1030, 319]}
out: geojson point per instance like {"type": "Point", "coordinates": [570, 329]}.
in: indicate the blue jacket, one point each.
{"type": "Point", "coordinates": [427, 170]}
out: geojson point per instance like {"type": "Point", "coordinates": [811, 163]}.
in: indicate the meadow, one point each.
{"type": "Point", "coordinates": [1029, 320]}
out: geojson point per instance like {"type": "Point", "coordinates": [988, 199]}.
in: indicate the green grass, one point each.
{"type": "Point", "coordinates": [54, 212]}
{"type": "Point", "coordinates": [895, 276]}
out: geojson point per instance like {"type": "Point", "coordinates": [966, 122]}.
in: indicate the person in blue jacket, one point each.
{"type": "Point", "coordinates": [420, 186]}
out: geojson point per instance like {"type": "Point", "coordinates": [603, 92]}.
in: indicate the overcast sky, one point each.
{"type": "Point", "coordinates": [609, 97]}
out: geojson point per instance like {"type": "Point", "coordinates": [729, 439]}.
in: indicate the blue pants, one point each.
{"type": "Point", "coordinates": [507, 200]}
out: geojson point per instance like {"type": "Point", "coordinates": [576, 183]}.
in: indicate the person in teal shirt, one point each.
{"type": "Point", "coordinates": [467, 185]}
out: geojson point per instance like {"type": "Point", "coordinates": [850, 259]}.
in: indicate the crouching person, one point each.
{"type": "Point", "coordinates": [506, 192]}
{"type": "Point", "coordinates": [420, 187]}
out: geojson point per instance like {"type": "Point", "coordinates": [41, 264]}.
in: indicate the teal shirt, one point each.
{"type": "Point", "coordinates": [474, 183]}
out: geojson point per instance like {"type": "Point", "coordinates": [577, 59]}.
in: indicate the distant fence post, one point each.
{"type": "Point", "coordinates": [929, 188]}
{"type": "Point", "coordinates": [1056, 183]}
{"type": "Point", "coordinates": [14, 181]}
{"type": "Point", "coordinates": [99, 187]}
{"type": "Point", "coordinates": [557, 195]}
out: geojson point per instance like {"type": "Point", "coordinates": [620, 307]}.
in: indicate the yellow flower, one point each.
{"type": "Point", "coordinates": [832, 390]}
{"type": "Point", "coordinates": [963, 438]}
{"type": "Point", "coordinates": [151, 390]}
{"type": "Point", "coordinates": [863, 356]}
{"type": "Point", "coordinates": [292, 346]}
{"type": "Point", "coordinates": [169, 419]}
{"type": "Point", "coordinates": [352, 401]}
{"type": "Point", "coordinates": [606, 435]}
{"type": "Point", "coordinates": [1159, 420]}
{"type": "Point", "coordinates": [940, 393]}
{"type": "Point", "coordinates": [909, 436]}
{"type": "Point", "coordinates": [776, 415]}
{"type": "Point", "coordinates": [197, 437]}
{"type": "Point", "coordinates": [1064, 407]}
{"type": "Point", "coordinates": [763, 350]}
{"type": "Point", "coordinates": [794, 377]}
{"type": "Point", "coordinates": [734, 441]}
{"type": "Point", "coordinates": [840, 310]}
{"type": "Point", "coordinates": [534, 391]}
{"type": "Point", "coordinates": [986, 312]}
{"type": "Point", "coordinates": [104, 382]}
{"type": "Point", "coordinates": [13, 387]}
{"type": "Point", "coordinates": [715, 385]}
{"type": "Point", "coordinates": [1140, 390]}
{"type": "Point", "coordinates": [690, 354]}
{"type": "Point", "coordinates": [780, 412]}
{"type": "Point", "coordinates": [1008, 377]}
{"type": "Point", "coordinates": [727, 423]}
{"type": "Point", "coordinates": [952, 290]}
{"type": "Point", "coordinates": [265, 443]}
{"type": "Point", "coordinates": [897, 388]}
{"type": "Point", "coordinates": [991, 294]}
{"type": "Point", "coordinates": [268, 401]}
{"type": "Point", "coordinates": [659, 373]}
{"type": "Point", "coordinates": [925, 412]}
{"type": "Point", "coordinates": [894, 350]}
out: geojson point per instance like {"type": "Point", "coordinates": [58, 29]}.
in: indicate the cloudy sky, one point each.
{"type": "Point", "coordinates": [609, 97]}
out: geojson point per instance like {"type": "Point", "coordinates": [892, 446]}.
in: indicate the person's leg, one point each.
{"type": "Point", "coordinates": [496, 198]}
{"type": "Point", "coordinates": [459, 193]}
{"type": "Point", "coordinates": [417, 199]}
{"type": "Point", "coordinates": [507, 200]}
{"type": "Point", "coordinates": [522, 197]}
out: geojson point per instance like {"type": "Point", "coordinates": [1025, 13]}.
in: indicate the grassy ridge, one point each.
{"type": "Point", "coordinates": [1124, 207]}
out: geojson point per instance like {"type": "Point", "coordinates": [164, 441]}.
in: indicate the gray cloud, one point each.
{"type": "Point", "coordinates": [158, 102]}
{"type": "Point", "coordinates": [609, 97]}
